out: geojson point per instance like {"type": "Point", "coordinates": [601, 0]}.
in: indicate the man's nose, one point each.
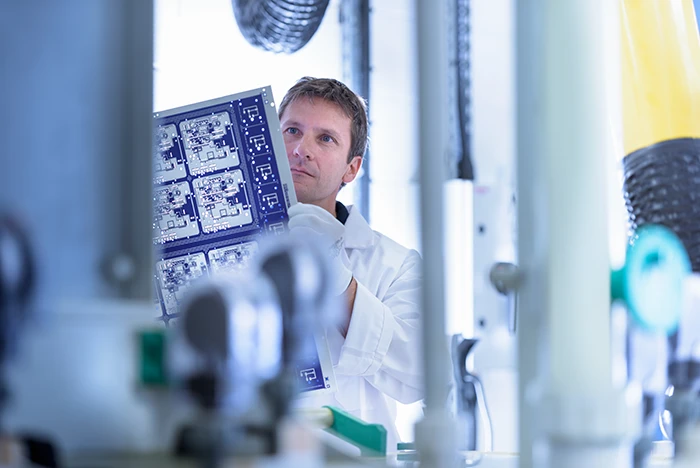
{"type": "Point", "coordinates": [303, 148]}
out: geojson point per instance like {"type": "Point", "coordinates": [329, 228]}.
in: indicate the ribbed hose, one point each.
{"type": "Point", "coordinates": [662, 186]}
{"type": "Point", "coordinates": [282, 26]}
{"type": "Point", "coordinates": [465, 168]}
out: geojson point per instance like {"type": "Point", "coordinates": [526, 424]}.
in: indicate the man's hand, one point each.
{"type": "Point", "coordinates": [318, 224]}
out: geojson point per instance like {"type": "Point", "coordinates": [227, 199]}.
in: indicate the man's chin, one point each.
{"type": "Point", "coordinates": [302, 196]}
{"type": "Point", "coordinates": [305, 198]}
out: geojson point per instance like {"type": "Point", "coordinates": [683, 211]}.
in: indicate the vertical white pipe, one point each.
{"type": "Point", "coordinates": [532, 216]}
{"type": "Point", "coordinates": [436, 432]}
{"type": "Point", "coordinates": [577, 152]}
{"type": "Point", "coordinates": [567, 90]}
{"type": "Point", "coordinates": [433, 144]}
{"type": "Point", "coordinates": [562, 164]}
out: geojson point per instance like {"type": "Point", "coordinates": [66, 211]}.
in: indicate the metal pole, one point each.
{"type": "Point", "coordinates": [433, 123]}
{"type": "Point", "coordinates": [531, 237]}
{"type": "Point", "coordinates": [435, 434]}
{"type": "Point", "coordinates": [354, 19]}
{"type": "Point", "coordinates": [137, 172]}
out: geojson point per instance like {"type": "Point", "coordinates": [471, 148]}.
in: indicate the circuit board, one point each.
{"type": "Point", "coordinates": [175, 274]}
{"type": "Point", "coordinates": [234, 258]}
{"type": "Point", "coordinates": [221, 180]}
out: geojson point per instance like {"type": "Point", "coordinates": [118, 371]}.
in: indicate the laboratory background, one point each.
{"type": "Point", "coordinates": [542, 157]}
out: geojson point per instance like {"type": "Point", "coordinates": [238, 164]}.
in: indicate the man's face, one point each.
{"type": "Point", "coordinates": [317, 137]}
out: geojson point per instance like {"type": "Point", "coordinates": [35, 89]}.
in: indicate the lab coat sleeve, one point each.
{"type": "Point", "coordinates": [383, 340]}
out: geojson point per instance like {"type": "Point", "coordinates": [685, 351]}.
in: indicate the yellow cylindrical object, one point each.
{"type": "Point", "coordinates": [318, 417]}
{"type": "Point", "coordinates": [660, 72]}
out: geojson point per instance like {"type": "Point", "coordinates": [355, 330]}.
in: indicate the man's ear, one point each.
{"type": "Point", "coordinates": [353, 168]}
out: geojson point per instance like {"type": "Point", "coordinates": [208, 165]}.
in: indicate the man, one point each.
{"type": "Point", "coordinates": [376, 352]}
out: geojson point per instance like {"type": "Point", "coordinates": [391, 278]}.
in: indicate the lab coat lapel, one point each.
{"type": "Point", "coordinates": [358, 234]}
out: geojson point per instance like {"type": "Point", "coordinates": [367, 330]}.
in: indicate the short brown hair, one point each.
{"type": "Point", "coordinates": [339, 94]}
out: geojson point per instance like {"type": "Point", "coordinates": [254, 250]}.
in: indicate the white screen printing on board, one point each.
{"type": "Point", "coordinates": [221, 180]}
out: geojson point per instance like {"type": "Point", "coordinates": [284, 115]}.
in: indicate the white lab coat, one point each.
{"type": "Point", "coordinates": [379, 362]}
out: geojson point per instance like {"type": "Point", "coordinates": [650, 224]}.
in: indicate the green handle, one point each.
{"type": "Point", "coordinates": [369, 438]}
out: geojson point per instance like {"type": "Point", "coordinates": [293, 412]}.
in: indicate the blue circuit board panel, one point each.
{"type": "Point", "coordinates": [310, 375]}
{"type": "Point", "coordinates": [220, 181]}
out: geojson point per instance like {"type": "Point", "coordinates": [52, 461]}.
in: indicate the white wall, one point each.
{"type": "Point", "coordinates": [394, 200]}
{"type": "Point", "coordinates": [395, 209]}
{"type": "Point", "coordinates": [200, 54]}
{"type": "Point", "coordinates": [394, 191]}
{"type": "Point", "coordinates": [394, 158]}
{"type": "Point", "coordinates": [493, 146]}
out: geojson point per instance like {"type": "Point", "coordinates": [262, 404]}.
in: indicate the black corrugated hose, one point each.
{"type": "Point", "coordinates": [282, 26]}
{"type": "Point", "coordinates": [465, 169]}
{"type": "Point", "coordinates": [662, 186]}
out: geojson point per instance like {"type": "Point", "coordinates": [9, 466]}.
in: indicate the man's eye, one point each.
{"type": "Point", "coordinates": [292, 130]}
{"type": "Point", "coordinates": [327, 139]}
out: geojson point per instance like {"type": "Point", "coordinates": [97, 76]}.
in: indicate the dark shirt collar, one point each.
{"type": "Point", "coordinates": [341, 213]}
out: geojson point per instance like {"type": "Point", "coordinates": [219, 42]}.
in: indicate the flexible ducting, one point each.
{"type": "Point", "coordinates": [282, 26]}
{"type": "Point", "coordinates": [465, 168]}
{"type": "Point", "coordinates": [662, 186]}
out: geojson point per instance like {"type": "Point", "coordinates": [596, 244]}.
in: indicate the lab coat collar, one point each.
{"type": "Point", "coordinates": [358, 234]}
